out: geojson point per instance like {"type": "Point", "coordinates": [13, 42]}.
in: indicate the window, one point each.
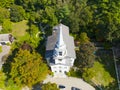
{"type": "Point", "coordinates": [60, 71]}
{"type": "Point", "coordinates": [60, 59]}
{"type": "Point", "coordinates": [60, 53]}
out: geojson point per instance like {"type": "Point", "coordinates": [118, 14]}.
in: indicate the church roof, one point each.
{"type": "Point", "coordinates": [68, 40]}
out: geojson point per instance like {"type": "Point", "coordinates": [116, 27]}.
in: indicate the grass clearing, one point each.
{"type": "Point", "coordinates": [19, 29]}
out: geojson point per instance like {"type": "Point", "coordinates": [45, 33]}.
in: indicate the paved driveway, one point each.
{"type": "Point", "coordinates": [70, 82]}
{"type": "Point", "coordinates": [5, 50]}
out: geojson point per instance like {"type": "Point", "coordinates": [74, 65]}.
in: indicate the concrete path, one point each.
{"type": "Point", "coordinates": [70, 82]}
{"type": "Point", "coordinates": [5, 50]}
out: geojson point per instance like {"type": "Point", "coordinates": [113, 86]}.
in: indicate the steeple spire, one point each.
{"type": "Point", "coordinates": [60, 41]}
{"type": "Point", "coordinates": [60, 47]}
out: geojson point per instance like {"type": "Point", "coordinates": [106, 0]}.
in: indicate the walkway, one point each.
{"type": "Point", "coordinates": [70, 82]}
{"type": "Point", "coordinates": [5, 50]}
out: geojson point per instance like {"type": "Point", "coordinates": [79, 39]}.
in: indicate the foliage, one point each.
{"type": "Point", "coordinates": [0, 49]}
{"type": "Point", "coordinates": [106, 19]}
{"type": "Point", "coordinates": [84, 38]}
{"type": "Point", "coordinates": [107, 45]}
{"type": "Point", "coordinates": [28, 68]}
{"type": "Point", "coordinates": [2, 80]}
{"type": "Point", "coordinates": [6, 3]}
{"type": "Point", "coordinates": [74, 73]}
{"type": "Point", "coordinates": [82, 16]}
{"type": "Point", "coordinates": [12, 86]}
{"type": "Point", "coordinates": [7, 26]}
{"type": "Point", "coordinates": [50, 86]}
{"type": "Point", "coordinates": [7, 85]}
{"type": "Point", "coordinates": [85, 57]}
{"type": "Point", "coordinates": [35, 35]}
{"type": "Point", "coordinates": [4, 14]}
{"type": "Point", "coordinates": [98, 75]}
{"type": "Point", "coordinates": [17, 13]}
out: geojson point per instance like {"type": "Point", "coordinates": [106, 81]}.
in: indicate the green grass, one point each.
{"type": "Point", "coordinates": [0, 49]}
{"type": "Point", "coordinates": [19, 29]}
{"type": "Point", "coordinates": [107, 61]}
{"type": "Point", "coordinates": [106, 58]}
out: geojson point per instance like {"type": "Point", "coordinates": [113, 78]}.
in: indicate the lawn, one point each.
{"type": "Point", "coordinates": [106, 58]}
{"type": "Point", "coordinates": [19, 30]}
{"type": "Point", "coordinates": [107, 61]}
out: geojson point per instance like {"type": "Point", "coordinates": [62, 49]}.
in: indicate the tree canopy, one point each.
{"type": "Point", "coordinates": [4, 14]}
{"type": "Point", "coordinates": [17, 13]}
{"type": "Point", "coordinates": [50, 86]}
{"type": "Point", "coordinates": [28, 68]}
{"type": "Point", "coordinates": [85, 56]}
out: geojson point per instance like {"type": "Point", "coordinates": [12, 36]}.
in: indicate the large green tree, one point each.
{"type": "Point", "coordinates": [85, 56]}
{"type": "Point", "coordinates": [50, 86]}
{"type": "Point", "coordinates": [7, 26]}
{"type": "Point", "coordinates": [84, 38]}
{"type": "Point", "coordinates": [6, 3]}
{"type": "Point", "coordinates": [106, 19]}
{"type": "Point", "coordinates": [28, 68]}
{"type": "Point", "coordinates": [82, 14]}
{"type": "Point", "coordinates": [35, 35]}
{"type": "Point", "coordinates": [4, 14]}
{"type": "Point", "coordinates": [17, 13]}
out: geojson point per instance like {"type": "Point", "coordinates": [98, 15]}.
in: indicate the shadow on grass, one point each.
{"type": "Point", "coordinates": [105, 56]}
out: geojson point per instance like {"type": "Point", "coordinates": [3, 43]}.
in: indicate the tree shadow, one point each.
{"type": "Point", "coordinates": [7, 65]}
{"type": "Point", "coordinates": [37, 86]}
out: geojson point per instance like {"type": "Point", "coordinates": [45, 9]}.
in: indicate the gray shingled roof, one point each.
{"type": "Point", "coordinates": [68, 40]}
{"type": "Point", "coordinates": [4, 37]}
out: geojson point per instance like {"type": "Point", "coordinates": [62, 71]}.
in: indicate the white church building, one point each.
{"type": "Point", "coordinates": [60, 53]}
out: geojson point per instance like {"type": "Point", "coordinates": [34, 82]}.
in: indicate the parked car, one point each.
{"type": "Point", "coordinates": [74, 88]}
{"type": "Point", "coordinates": [61, 86]}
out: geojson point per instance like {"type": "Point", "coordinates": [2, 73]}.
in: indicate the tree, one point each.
{"type": "Point", "coordinates": [49, 86]}
{"type": "Point", "coordinates": [7, 26]}
{"type": "Point", "coordinates": [35, 35]}
{"type": "Point", "coordinates": [106, 19]}
{"type": "Point", "coordinates": [28, 68]}
{"type": "Point", "coordinates": [82, 14]}
{"type": "Point", "coordinates": [85, 57]}
{"type": "Point", "coordinates": [17, 13]}
{"type": "Point", "coordinates": [6, 3]}
{"type": "Point", "coordinates": [2, 80]}
{"type": "Point", "coordinates": [4, 14]}
{"type": "Point", "coordinates": [84, 38]}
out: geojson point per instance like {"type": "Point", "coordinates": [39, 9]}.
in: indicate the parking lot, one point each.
{"type": "Point", "coordinates": [70, 83]}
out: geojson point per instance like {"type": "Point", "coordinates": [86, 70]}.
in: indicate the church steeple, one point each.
{"type": "Point", "coordinates": [60, 41]}
{"type": "Point", "coordinates": [60, 46]}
